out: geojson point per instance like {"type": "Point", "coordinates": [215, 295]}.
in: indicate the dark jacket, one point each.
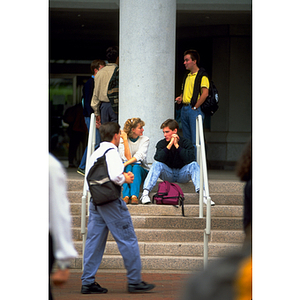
{"type": "Point", "coordinates": [175, 158]}
{"type": "Point", "coordinates": [87, 92]}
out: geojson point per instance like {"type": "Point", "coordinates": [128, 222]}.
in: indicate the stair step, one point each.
{"type": "Point", "coordinates": [175, 222]}
{"type": "Point", "coordinates": [214, 186]}
{"type": "Point", "coordinates": [190, 198]}
{"type": "Point", "coordinates": [169, 210]}
{"type": "Point", "coordinates": [150, 263]}
{"type": "Point", "coordinates": [171, 248]}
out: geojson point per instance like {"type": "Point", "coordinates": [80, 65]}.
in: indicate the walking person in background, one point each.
{"type": "Point", "coordinates": [87, 93]}
{"type": "Point", "coordinates": [114, 217]}
{"type": "Point", "coordinates": [61, 248]}
{"type": "Point", "coordinates": [133, 149]}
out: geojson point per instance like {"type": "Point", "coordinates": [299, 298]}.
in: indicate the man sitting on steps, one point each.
{"type": "Point", "coordinates": [174, 161]}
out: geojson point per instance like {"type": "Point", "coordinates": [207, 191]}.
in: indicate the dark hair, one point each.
{"type": "Point", "coordinates": [108, 130]}
{"type": "Point", "coordinates": [194, 55]}
{"type": "Point", "coordinates": [171, 123]}
{"type": "Point", "coordinates": [112, 53]}
{"type": "Point", "coordinates": [96, 64]}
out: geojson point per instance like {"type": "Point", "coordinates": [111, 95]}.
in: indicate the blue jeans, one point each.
{"type": "Point", "coordinates": [183, 175]}
{"type": "Point", "coordinates": [97, 142]}
{"type": "Point", "coordinates": [188, 122]}
{"type": "Point", "coordinates": [113, 217]}
{"type": "Point", "coordinates": [139, 176]}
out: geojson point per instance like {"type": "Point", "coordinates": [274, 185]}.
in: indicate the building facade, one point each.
{"type": "Point", "coordinates": [152, 36]}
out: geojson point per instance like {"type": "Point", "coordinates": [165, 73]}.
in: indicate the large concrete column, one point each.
{"type": "Point", "coordinates": [147, 64]}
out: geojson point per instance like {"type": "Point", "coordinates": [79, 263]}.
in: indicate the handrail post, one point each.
{"type": "Point", "coordinates": [201, 173]}
{"type": "Point", "coordinates": [201, 159]}
{"type": "Point", "coordinates": [85, 195]}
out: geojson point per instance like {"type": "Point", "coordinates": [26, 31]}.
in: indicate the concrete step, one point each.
{"type": "Point", "coordinates": [171, 248]}
{"type": "Point", "coordinates": [214, 186]}
{"type": "Point", "coordinates": [178, 222]}
{"type": "Point", "coordinates": [190, 198]}
{"type": "Point", "coordinates": [169, 210]}
{"type": "Point", "coordinates": [177, 235]}
{"type": "Point", "coordinates": [150, 263]}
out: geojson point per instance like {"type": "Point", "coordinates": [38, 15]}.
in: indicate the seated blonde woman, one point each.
{"type": "Point", "coordinates": [133, 149]}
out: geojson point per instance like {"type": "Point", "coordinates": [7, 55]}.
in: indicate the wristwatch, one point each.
{"type": "Point", "coordinates": [194, 108]}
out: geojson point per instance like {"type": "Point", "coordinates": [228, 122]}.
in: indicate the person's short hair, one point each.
{"type": "Point", "coordinates": [131, 124]}
{"type": "Point", "coordinates": [194, 55]}
{"type": "Point", "coordinates": [108, 130]}
{"type": "Point", "coordinates": [171, 123]}
{"type": "Point", "coordinates": [96, 64]}
{"type": "Point", "coordinates": [112, 53]}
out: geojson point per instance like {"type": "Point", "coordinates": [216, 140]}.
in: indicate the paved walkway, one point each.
{"type": "Point", "coordinates": [168, 286]}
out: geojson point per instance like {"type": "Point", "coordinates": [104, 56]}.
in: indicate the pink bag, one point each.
{"type": "Point", "coordinates": [169, 194]}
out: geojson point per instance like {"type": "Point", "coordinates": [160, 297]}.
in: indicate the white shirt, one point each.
{"type": "Point", "coordinates": [138, 149]}
{"type": "Point", "coordinates": [59, 212]}
{"type": "Point", "coordinates": [114, 163]}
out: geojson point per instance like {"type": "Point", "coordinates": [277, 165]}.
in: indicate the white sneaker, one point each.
{"type": "Point", "coordinates": [212, 203]}
{"type": "Point", "coordinates": [145, 199]}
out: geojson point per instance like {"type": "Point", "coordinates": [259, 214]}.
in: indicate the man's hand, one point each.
{"type": "Point", "coordinates": [60, 277]}
{"type": "Point", "coordinates": [98, 122]}
{"type": "Point", "coordinates": [174, 141]}
{"type": "Point", "coordinates": [128, 177]}
{"type": "Point", "coordinates": [178, 99]}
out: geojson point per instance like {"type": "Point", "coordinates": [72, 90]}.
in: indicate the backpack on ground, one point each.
{"type": "Point", "coordinates": [102, 189]}
{"type": "Point", "coordinates": [169, 194]}
{"type": "Point", "coordinates": [211, 103]}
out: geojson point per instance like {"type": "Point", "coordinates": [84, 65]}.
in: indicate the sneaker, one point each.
{"type": "Point", "coordinates": [93, 288]}
{"type": "Point", "coordinates": [212, 203]}
{"type": "Point", "coordinates": [145, 199]}
{"type": "Point", "coordinates": [134, 200]}
{"type": "Point", "coordinates": [81, 171]}
{"type": "Point", "coordinates": [140, 288]}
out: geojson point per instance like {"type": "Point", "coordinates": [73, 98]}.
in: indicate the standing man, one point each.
{"type": "Point", "coordinates": [87, 93]}
{"type": "Point", "coordinates": [174, 161]}
{"type": "Point", "coordinates": [105, 98]}
{"type": "Point", "coordinates": [189, 113]}
{"type": "Point", "coordinates": [114, 217]}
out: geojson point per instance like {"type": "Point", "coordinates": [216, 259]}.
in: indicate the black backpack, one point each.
{"type": "Point", "coordinates": [113, 90]}
{"type": "Point", "coordinates": [210, 105]}
{"type": "Point", "coordinates": [102, 189]}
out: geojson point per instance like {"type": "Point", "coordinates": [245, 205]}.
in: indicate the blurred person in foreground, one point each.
{"type": "Point", "coordinates": [61, 248]}
{"type": "Point", "coordinates": [229, 278]}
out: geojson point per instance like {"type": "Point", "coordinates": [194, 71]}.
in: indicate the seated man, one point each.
{"type": "Point", "coordinates": [174, 161]}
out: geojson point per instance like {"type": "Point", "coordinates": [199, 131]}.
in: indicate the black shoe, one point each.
{"type": "Point", "coordinates": [81, 171]}
{"type": "Point", "coordinates": [93, 288]}
{"type": "Point", "coordinates": [140, 288]}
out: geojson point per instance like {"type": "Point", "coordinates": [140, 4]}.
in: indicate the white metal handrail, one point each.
{"type": "Point", "coordinates": [201, 159]}
{"type": "Point", "coordinates": [85, 193]}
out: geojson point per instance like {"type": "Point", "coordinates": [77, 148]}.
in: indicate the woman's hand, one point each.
{"type": "Point", "coordinates": [123, 135]}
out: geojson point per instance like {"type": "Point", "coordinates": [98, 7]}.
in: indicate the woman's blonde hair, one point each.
{"type": "Point", "coordinates": [132, 123]}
